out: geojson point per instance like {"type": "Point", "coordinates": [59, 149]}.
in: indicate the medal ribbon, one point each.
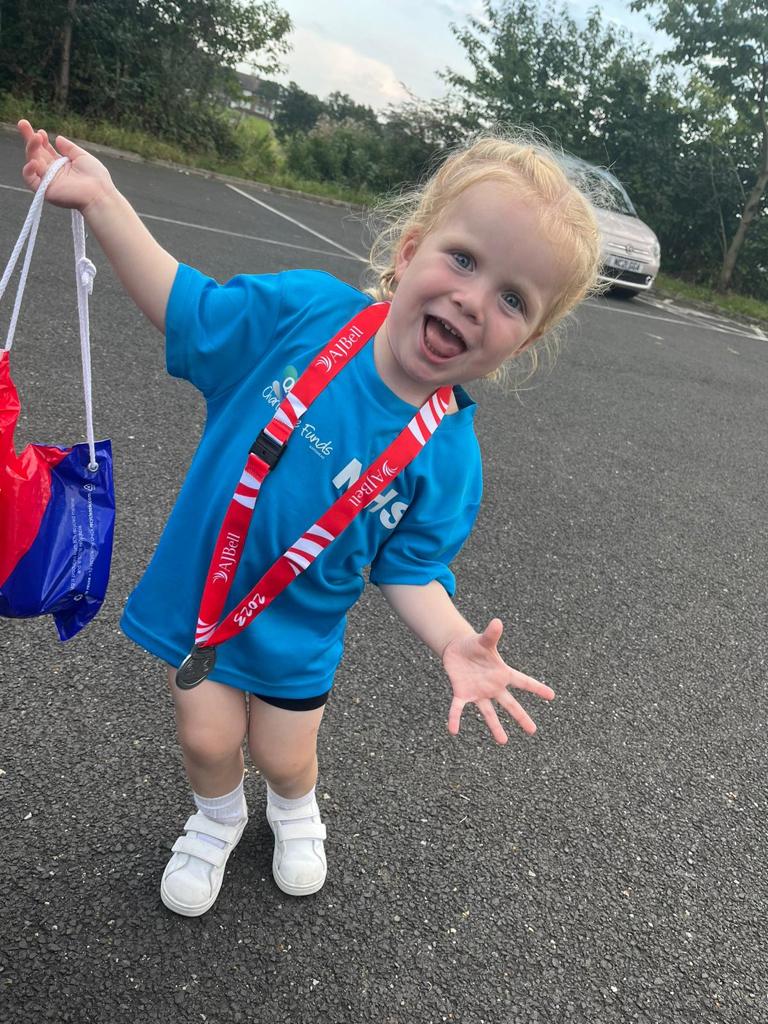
{"type": "Point", "coordinates": [264, 454]}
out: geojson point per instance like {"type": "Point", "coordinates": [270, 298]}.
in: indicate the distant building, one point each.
{"type": "Point", "coordinates": [259, 97]}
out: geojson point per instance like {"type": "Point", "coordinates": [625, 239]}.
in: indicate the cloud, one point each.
{"type": "Point", "coordinates": [456, 10]}
{"type": "Point", "coordinates": [321, 66]}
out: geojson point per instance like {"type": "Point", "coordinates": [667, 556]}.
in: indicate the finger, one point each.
{"type": "Point", "coordinates": [37, 163]}
{"type": "Point", "coordinates": [31, 140]}
{"type": "Point", "coordinates": [523, 682]}
{"type": "Point", "coordinates": [25, 129]}
{"type": "Point", "coordinates": [518, 712]}
{"type": "Point", "coordinates": [454, 715]}
{"type": "Point", "coordinates": [492, 721]}
{"type": "Point", "coordinates": [47, 144]}
{"type": "Point", "coordinates": [46, 150]}
{"type": "Point", "coordinates": [34, 150]}
{"type": "Point", "coordinates": [68, 148]}
{"type": "Point", "coordinates": [492, 633]}
{"type": "Point", "coordinates": [31, 176]}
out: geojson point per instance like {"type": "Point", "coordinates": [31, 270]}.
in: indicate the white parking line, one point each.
{"type": "Point", "coordinates": [252, 238]}
{"type": "Point", "coordinates": [298, 223]}
{"type": "Point", "coordinates": [222, 231]}
{"type": "Point", "coordinates": [681, 322]}
{"type": "Point", "coordinates": [697, 315]}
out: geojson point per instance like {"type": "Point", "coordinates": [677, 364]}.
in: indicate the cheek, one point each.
{"type": "Point", "coordinates": [510, 342]}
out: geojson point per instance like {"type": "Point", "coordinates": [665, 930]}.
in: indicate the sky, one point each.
{"type": "Point", "coordinates": [378, 51]}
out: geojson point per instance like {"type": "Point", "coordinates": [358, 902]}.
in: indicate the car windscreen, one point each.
{"type": "Point", "coordinates": [601, 186]}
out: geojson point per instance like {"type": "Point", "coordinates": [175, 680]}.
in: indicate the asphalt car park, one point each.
{"type": "Point", "coordinates": [609, 869]}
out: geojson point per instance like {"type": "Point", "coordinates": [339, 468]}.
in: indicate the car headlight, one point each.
{"type": "Point", "coordinates": [656, 249]}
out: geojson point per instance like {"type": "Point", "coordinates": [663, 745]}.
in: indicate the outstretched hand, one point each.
{"type": "Point", "coordinates": [479, 674]}
{"type": "Point", "coordinates": [77, 184]}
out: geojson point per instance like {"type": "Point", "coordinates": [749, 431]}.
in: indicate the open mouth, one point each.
{"type": "Point", "coordinates": [442, 340]}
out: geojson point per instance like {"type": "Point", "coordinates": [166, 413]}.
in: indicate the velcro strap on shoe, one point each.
{"type": "Point", "coordinates": [305, 830]}
{"type": "Point", "coordinates": [202, 823]}
{"type": "Point", "coordinates": [202, 850]}
{"type": "Point", "coordinates": [290, 813]}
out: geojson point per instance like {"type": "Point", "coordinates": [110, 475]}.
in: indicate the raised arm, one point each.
{"type": "Point", "coordinates": [476, 670]}
{"type": "Point", "coordinates": [145, 269]}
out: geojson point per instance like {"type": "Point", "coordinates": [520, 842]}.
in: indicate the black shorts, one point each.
{"type": "Point", "coordinates": [295, 703]}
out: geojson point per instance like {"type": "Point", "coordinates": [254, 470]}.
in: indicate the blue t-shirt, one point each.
{"type": "Point", "coordinates": [242, 344]}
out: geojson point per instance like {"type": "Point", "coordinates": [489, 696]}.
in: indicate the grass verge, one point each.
{"type": "Point", "coordinates": [730, 303]}
{"type": "Point", "coordinates": [105, 133]}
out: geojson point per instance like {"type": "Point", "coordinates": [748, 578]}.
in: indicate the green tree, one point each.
{"type": "Point", "coordinates": [726, 42]}
{"type": "Point", "coordinates": [341, 107]}
{"type": "Point", "coordinates": [297, 111]}
{"type": "Point", "coordinates": [155, 63]}
{"type": "Point", "coordinates": [535, 65]}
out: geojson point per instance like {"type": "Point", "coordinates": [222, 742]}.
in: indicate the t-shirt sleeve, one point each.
{"type": "Point", "coordinates": [215, 333]}
{"type": "Point", "coordinates": [431, 532]}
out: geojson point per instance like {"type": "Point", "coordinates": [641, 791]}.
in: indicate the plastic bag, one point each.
{"type": "Point", "coordinates": [57, 505]}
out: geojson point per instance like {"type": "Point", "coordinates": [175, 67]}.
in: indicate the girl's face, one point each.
{"type": "Point", "coordinates": [470, 293]}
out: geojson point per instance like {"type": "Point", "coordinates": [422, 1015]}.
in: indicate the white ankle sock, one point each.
{"type": "Point", "coordinates": [287, 803]}
{"type": "Point", "coordinates": [228, 809]}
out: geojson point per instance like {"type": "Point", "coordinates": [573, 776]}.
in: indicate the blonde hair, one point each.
{"type": "Point", "coordinates": [526, 161]}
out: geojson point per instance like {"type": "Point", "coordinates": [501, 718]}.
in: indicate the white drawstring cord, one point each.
{"type": "Point", "coordinates": [29, 230]}
{"type": "Point", "coordinates": [85, 272]}
{"type": "Point", "coordinates": [84, 275]}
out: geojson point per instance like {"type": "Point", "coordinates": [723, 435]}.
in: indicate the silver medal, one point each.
{"type": "Point", "coordinates": [195, 667]}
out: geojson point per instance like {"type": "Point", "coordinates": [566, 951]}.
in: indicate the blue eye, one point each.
{"type": "Point", "coordinates": [463, 260]}
{"type": "Point", "coordinates": [513, 300]}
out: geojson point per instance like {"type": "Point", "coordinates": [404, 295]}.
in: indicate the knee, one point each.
{"type": "Point", "coordinates": [283, 765]}
{"type": "Point", "coordinates": [207, 745]}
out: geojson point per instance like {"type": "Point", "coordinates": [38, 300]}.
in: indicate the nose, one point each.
{"type": "Point", "coordinates": [468, 299]}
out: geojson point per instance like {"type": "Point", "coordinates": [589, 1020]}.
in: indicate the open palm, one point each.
{"type": "Point", "coordinates": [479, 675]}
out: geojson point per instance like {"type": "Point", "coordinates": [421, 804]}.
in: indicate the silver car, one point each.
{"type": "Point", "coordinates": [630, 250]}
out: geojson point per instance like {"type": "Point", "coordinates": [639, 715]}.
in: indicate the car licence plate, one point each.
{"type": "Point", "coordinates": [621, 263]}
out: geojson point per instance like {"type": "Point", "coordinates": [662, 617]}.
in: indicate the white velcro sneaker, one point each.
{"type": "Point", "coordinates": [298, 864]}
{"type": "Point", "coordinates": [193, 876]}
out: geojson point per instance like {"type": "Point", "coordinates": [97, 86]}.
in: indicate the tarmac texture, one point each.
{"type": "Point", "coordinates": [609, 870]}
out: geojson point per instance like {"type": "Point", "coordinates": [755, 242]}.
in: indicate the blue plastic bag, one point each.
{"type": "Point", "coordinates": [55, 533]}
{"type": "Point", "coordinates": [57, 505]}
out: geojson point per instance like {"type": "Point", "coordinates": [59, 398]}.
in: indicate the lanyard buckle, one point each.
{"type": "Point", "coordinates": [267, 449]}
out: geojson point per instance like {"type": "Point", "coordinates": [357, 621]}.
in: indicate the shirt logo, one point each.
{"type": "Point", "coordinates": [389, 510]}
{"type": "Point", "coordinates": [275, 392]}
{"type": "Point", "coordinates": [290, 376]}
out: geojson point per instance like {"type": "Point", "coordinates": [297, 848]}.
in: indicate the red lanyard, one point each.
{"type": "Point", "coordinates": [265, 452]}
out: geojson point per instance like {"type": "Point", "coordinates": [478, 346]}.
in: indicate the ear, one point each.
{"type": "Point", "coordinates": [406, 253]}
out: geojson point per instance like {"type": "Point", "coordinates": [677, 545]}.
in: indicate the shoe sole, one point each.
{"type": "Point", "coordinates": [287, 887]}
{"type": "Point", "coordinates": [197, 911]}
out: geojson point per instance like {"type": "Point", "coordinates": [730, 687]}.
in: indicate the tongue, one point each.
{"type": "Point", "coordinates": [440, 340]}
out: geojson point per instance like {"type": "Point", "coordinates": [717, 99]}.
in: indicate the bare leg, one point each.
{"type": "Point", "coordinates": [283, 746]}
{"type": "Point", "coordinates": [211, 723]}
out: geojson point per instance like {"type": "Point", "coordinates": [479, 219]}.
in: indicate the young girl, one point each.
{"type": "Point", "coordinates": [493, 252]}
